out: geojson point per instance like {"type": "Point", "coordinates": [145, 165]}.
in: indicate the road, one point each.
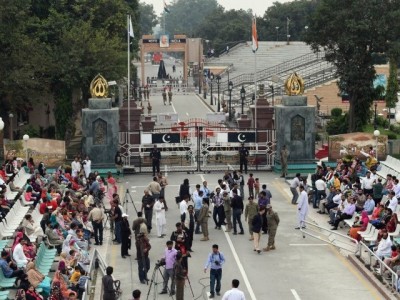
{"type": "Point", "coordinates": [298, 269]}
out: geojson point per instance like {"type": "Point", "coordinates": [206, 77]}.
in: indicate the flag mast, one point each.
{"type": "Point", "coordinates": [129, 73]}
{"type": "Point", "coordinates": [255, 48]}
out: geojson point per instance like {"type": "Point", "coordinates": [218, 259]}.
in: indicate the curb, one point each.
{"type": "Point", "coordinates": [205, 102]}
{"type": "Point", "coordinates": [382, 289]}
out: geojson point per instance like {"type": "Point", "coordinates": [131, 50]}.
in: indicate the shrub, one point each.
{"type": "Point", "coordinates": [336, 112]}
{"type": "Point", "coordinates": [392, 136]}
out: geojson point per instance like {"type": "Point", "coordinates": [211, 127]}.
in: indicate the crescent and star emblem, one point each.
{"type": "Point", "coordinates": [241, 137]}
{"type": "Point", "coordinates": [166, 138]}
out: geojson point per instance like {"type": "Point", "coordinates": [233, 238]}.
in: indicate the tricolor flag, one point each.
{"type": "Point", "coordinates": [254, 36]}
{"type": "Point", "coordinates": [166, 9]}
{"type": "Point", "coordinates": [130, 29]}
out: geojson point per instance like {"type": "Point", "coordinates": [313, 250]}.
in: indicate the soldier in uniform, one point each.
{"type": "Point", "coordinates": [155, 156]}
{"type": "Point", "coordinates": [250, 212]}
{"type": "Point", "coordinates": [243, 154]}
{"type": "Point", "coordinates": [164, 97]}
{"type": "Point", "coordinates": [140, 93]}
{"type": "Point", "coordinates": [146, 92]}
{"type": "Point", "coordinates": [273, 222]}
{"type": "Point", "coordinates": [284, 157]}
{"type": "Point", "coordinates": [170, 97]}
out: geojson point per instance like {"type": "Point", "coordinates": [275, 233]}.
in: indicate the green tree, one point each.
{"type": "Point", "coordinates": [148, 18]}
{"type": "Point", "coordinates": [350, 32]}
{"type": "Point", "coordinates": [277, 15]}
{"type": "Point", "coordinates": [393, 85]}
{"type": "Point", "coordinates": [186, 16]}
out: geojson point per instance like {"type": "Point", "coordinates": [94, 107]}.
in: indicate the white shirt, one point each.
{"type": "Point", "coordinates": [87, 167]}
{"type": "Point", "coordinates": [396, 190]}
{"type": "Point", "coordinates": [76, 168]}
{"type": "Point", "coordinates": [337, 199]}
{"type": "Point", "coordinates": [320, 185]}
{"type": "Point", "coordinates": [234, 294]}
{"type": "Point", "coordinates": [183, 207]}
{"type": "Point", "coordinates": [367, 183]}
{"type": "Point", "coordinates": [393, 204]}
{"type": "Point", "coordinates": [295, 183]}
{"type": "Point", "coordinates": [19, 256]}
{"type": "Point", "coordinates": [231, 193]}
{"type": "Point", "coordinates": [384, 248]}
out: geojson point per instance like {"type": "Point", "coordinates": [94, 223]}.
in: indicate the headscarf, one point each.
{"type": "Point", "coordinates": [364, 220]}
{"type": "Point", "coordinates": [21, 295]}
{"type": "Point", "coordinates": [34, 276]}
{"type": "Point", "coordinates": [19, 235]}
{"type": "Point", "coordinates": [391, 225]}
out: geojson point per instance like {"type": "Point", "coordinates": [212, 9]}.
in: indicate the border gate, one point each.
{"type": "Point", "coordinates": [199, 146]}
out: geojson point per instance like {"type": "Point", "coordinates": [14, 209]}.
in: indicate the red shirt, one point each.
{"type": "Point", "coordinates": [251, 182]}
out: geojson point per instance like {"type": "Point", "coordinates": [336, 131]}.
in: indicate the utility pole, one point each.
{"type": "Point", "coordinates": [287, 30]}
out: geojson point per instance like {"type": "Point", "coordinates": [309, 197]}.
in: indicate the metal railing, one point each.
{"type": "Point", "coordinates": [277, 69]}
{"type": "Point", "coordinates": [331, 237]}
{"type": "Point", "coordinates": [383, 267]}
{"type": "Point", "coordinates": [97, 263]}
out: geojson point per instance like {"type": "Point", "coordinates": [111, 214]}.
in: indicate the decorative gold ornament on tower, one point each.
{"type": "Point", "coordinates": [294, 85]}
{"type": "Point", "coordinates": [99, 87]}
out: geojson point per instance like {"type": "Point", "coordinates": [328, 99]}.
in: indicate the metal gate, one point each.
{"type": "Point", "coordinates": [198, 146]}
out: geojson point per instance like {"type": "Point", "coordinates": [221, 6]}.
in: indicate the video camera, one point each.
{"type": "Point", "coordinates": [160, 263]}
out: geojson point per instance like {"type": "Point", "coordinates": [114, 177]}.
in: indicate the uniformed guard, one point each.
{"type": "Point", "coordinates": [155, 155]}
{"type": "Point", "coordinates": [164, 97]}
{"type": "Point", "coordinates": [170, 97]}
{"type": "Point", "coordinates": [243, 154]}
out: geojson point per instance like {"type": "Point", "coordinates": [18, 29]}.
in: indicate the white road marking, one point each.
{"type": "Point", "coordinates": [202, 177]}
{"type": "Point", "coordinates": [165, 170]}
{"type": "Point", "coordinates": [240, 266]}
{"type": "Point", "coordinates": [295, 295]}
{"type": "Point", "coordinates": [204, 104]}
{"type": "Point", "coordinates": [173, 107]}
{"type": "Point", "coordinates": [310, 245]}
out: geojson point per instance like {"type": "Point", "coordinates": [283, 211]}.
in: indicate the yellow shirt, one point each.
{"type": "Point", "coordinates": [75, 277]}
{"type": "Point", "coordinates": [336, 183]}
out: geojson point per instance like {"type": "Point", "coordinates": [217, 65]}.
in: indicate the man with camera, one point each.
{"type": "Point", "coordinates": [215, 261]}
{"type": "Point", "coordinates": [180, 237]}
{"type": "Point", "coordinates": [169, 260]}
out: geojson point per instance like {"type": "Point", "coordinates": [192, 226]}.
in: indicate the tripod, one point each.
{"type": "Point", "coordinates": [128, 198]}
{"type": "Point", "coordinates": [154, 278]}
{"type": "Point", "coordinates": [190, 285]}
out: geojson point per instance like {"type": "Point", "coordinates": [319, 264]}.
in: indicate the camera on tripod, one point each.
{"type": "Point", "coordinates": [107, 211]}
{"type": "Point", "coordinates": [160, 263]}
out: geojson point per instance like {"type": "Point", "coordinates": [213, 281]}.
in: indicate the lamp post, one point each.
{"type": "Point", "coordinates": [211, 82]}
{"type": "Point", "coordinates": [230, 88]}
{"type": "Point", "coordinates": [11, 116]}
{"type": "Point", "coordinates": [1, 140]}
{"type": "Point", "coordinates": [26, 139]}
{"type": "Point", "coordinates": [375, 121]}
{"type": "Point", "coordinates": [218, 84]}
{"type": "Point", "coordinates": [242, 96]}
{"type": "Point", "coordinates": [273, 94]}
{"type": "Point", "coordinates": [287, 30]}
{"type": "Point", "coordinates": [277, 35]}
{"type": "Point", "coordinates": [377, 133]}
{"type": "Point", "coordinates": [204, 87]}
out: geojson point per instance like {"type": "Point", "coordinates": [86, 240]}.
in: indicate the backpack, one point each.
{"type": "Point", "coordinates": [9, 168]}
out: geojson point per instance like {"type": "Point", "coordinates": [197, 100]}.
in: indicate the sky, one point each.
{"type": "Point", "coordinates": [258, 6]}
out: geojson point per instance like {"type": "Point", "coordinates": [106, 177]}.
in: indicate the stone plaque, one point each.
{"type": "Point", "coordinates": [297, 126]}
{"type": "Point", "coordinates": [100, 132]}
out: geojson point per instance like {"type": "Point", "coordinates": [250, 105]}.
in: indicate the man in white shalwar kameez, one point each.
{"type": "Point", "coordinates": [302, 207]}
{"type": "Point", "coordinates": [19, 256]}
{"type": "Point", "coordinates": [159, 208]}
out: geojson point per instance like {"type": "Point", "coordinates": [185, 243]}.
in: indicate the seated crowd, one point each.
{"type": "Point", "coordinates": [365, 203]}
{"type": "Point", "coordinates": [59, 218]}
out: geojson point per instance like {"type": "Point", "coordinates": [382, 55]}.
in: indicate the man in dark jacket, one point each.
{"type": "Point", "coordinates": [108, 285]}
{"type": "Point", "coordinates": [125, 236]}
{"type": "Point", "coordinates": [155, 156]}
{"type": "Point", "coordinates": [237, 208]}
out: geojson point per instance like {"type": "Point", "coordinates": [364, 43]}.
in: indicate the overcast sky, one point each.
{"type": "Point", "coordinates": [258, 6]}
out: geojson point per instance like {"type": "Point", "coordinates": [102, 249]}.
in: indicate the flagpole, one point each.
{"type": "Point", "coordinates": [129, 76]}
{"type": "Point", "coordinates": [255, 91]}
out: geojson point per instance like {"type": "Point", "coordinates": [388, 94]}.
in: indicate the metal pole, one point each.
{"type": "Point", "coordinates": [129, 80]}
{"type": "Point", "coordinates": [242, 105]}
{"type": "Point", "coordinates": [375, 121]}
{"type": "Point", "coordinates": [219, 105]}
{"type": "Point", "coordinates": [287, 30]}
{"type": "Point", "coordinates": [211, 101]}
{"type": "Point", "coordinates": [230, 105]}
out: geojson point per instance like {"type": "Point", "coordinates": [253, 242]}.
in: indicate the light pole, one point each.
{"type": "Point", "coordinates": [377, 133]}
{"type": "Point", "coordinates": [230, 88]}
{"type": "Point", "coordinates": [204, 87]}
{"type": "Point", "coordinates": [11, 116]}
{"type": "Point", "coordinates": [218, 84]}
{"type": "Point", "coordinates": [287, 30]}
{"type": "Point", "coordinates": [26, 139]}
{"type": "Point", "coordinates": [277, 35]}
{"type": "Point", "coordinates": [1, 140]}
{"type": "Point", "coordinates": [375, 121]}
{"type": "Point", "coordinates": [211, 82]}
{"type": "Point", "coordinates": [242, 96]}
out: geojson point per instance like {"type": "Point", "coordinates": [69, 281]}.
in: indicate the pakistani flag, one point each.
{"type": "Point", "coordinates": [166, 8]}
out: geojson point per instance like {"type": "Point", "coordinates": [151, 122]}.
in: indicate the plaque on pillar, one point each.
{"type": "Point", "coordinates": [295, 121]}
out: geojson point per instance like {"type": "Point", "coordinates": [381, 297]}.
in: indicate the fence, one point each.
{"type": "Point", "coordinates": [198, 148]}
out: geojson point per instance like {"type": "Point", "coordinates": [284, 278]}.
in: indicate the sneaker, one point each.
{"type": "Point", "coordinates": [163, 292]}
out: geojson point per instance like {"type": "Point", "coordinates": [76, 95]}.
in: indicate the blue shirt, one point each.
{"type": "Point", "coordinates": [206, 191]}
{"type": "Point", "coordinates": [7, 271]}
{"type": "Point", "coordinates": [198, 201]}
{"type": "Point", "coordinates": [215, 261]}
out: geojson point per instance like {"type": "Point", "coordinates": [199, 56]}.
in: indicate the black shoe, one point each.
{"type": "Point", "coordinates": [334, 228]}
{"type": "Point", "coordinates": [315, 207]}
{"type": "Point", "coordinates": [142, 281]}
{"type": "Point", "coordinates": [241, 232]}
{"type": "Point", "coordinates": [123, 256]}
{"type": "Point", "coordinates": [235, 233]}
{"type": "Point", "coordinates": [211, 296]}
{"type": "Point", "coordinates": [127, 254]}
{"type": "Point", "coordinates": [218, 294]}
{"type": "Point", "coordinates": [163, 292]}
{"type": "Point", "coordinates": [297, 228]}
{"type": "Point", "coordinates": [190, 250]}
{"type": "Point", "coordinates": [172, 293]}
{"type": "Point", "coordinates": [96, 244]}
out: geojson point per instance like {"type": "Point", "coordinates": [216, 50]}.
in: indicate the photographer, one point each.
{"type": "Point", "coordinates": [169, 261]}
{"type": "Point", "coordinates": [180, 237]}
{"type": "Point", "coordinates": [215, 261]}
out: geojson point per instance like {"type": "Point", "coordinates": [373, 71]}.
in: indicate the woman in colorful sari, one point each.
{"type": "Point", "coordinates": [37, 279]}
{"type": "Point", "coordinates": [59, 281]}
{"type": "Point", "coordinates": [111, 186]}
{"type": "Point", "coordinates": [362, 226]}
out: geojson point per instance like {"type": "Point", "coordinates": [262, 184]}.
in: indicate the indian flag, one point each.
{"type": "Point", "coordinates": [254, 36]}
{"type": "Point", "coordinates": [166, 8]}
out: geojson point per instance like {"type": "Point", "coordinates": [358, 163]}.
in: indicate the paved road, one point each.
{"type": "Point", "coordinates": [298, 269]}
